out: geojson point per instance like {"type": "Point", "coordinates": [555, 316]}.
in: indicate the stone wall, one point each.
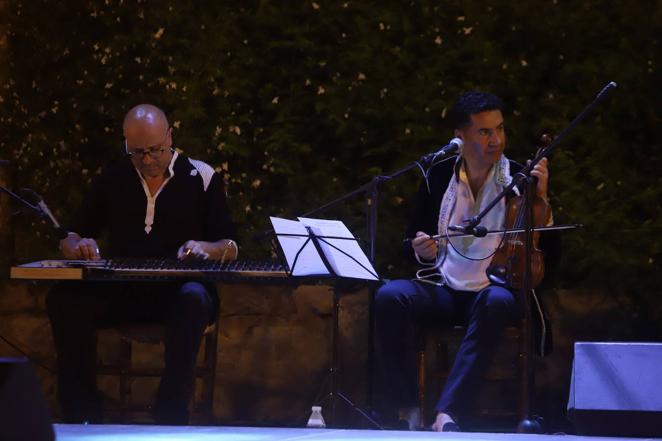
{"type": "Point", "coordinates": [274, 350]}
{"type": "Point", "coordinates": [273, 354]}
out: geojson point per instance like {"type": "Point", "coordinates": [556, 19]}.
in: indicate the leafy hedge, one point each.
{"type": "Point", "coordinates": [299, 102]}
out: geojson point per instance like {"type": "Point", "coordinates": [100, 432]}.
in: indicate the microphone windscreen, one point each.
{"type": "Point", "coordinates": [457, 141]}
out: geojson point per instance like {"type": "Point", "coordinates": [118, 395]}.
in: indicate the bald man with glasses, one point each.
{"type": "Point", "coordinates": [152, 203]}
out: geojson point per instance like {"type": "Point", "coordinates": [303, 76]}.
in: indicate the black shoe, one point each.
{"type": "Point", "coordinates": [450, 427]}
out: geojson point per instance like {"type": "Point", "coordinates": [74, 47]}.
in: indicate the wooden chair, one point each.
{"type": "Point", "coordinates": [508, 374]}
{"type": "Point", "coordinates": [127, 372]}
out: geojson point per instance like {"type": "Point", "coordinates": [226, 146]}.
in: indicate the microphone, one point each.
{"type": "Point", "coordinates": [44, 211]}
{"type": "Point", "coordinates": [477, 231]}
{"type": "Point", "coordinates": [455, 146]}
{"type": "Point", "coordinates": [47, 212]}
{"type": "Point", "coordinates": [60, 232]}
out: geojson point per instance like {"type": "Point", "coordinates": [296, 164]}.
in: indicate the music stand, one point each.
{"type": "Point", "coordinates": [296, 239]}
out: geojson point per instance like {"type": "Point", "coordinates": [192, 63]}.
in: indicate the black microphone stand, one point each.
{"type": "Point", "coordinates": [40, 208]}
{"type": "Point", "coordinates": [528, 424]}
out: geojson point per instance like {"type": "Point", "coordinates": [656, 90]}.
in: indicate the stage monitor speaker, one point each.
{"type": "Point", "coordinates": [616, 389]}
{"type": "Point", "coordinates": [23, 410]}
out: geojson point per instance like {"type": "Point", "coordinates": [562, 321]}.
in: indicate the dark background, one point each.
{"type": "Point", "coordinates": [297, 103]}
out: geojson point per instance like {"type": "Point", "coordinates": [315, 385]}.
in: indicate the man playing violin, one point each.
{"type": "Point", "coordinates": [453, 288]}
{"type": "Point", "coordinates": [153, 203]}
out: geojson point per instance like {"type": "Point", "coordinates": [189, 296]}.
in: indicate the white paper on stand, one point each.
{"type": "Point", "coordinates": [309, 261]}
{"type": "Point", "coordinates": [338, 251]}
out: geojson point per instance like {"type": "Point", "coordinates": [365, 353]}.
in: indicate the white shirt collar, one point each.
{"type": "Point", "coordinates": [150, 209]}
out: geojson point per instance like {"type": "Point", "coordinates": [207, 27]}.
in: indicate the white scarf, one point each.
{"type": "Point", "coordinates": [501, 178]}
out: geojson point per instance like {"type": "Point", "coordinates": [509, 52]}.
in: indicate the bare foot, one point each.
{"type": "Point", "coordinates": [440, 421]}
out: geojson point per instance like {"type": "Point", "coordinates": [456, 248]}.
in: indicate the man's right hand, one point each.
{"type": "Point", "coordinates": [424, 246]}
{"type": "Point", "coordinates": [81, 248]}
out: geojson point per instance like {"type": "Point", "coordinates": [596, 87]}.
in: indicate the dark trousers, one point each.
{"type": "Point", "coordinates": [77, 309]}
{"type": "Point", "coordinates": [403, 305]}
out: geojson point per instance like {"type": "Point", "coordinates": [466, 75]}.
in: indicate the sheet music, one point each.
{"type": "Point", "coordinates": [309, 262]}
{"type": "Point", "coordinates": [342, 264]}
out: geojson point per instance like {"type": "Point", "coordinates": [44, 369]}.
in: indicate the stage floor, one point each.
{"type": "Point", "coordinates": [67, 432]}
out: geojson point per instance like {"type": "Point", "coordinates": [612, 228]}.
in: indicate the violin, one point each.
{"type": "Point", "coordinates": [508, 264]}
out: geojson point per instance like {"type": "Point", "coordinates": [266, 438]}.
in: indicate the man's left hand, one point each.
{"type": "Point", "coordinates": [541, 172]}
{"type": "Point", "coordinates": [192, 250]}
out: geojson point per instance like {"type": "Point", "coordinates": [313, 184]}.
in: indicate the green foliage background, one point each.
{"type": "Point", "coordinates": [299, 102]}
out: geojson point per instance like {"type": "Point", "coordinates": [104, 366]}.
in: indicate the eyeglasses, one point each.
{"type": "Point", "coordinates": [154, 152]}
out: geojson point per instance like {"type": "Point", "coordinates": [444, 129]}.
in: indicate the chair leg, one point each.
{"type": "Point", "coordinates": [208, 379]}
{"type": "Point", "coordinates": [422, 381]}
{"type": "Point", "coordinates": [125, 379]}
{"type": "Point", "coordinates": [435, 362]}
{"type": "Point", "coordinates": [127, 373]}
